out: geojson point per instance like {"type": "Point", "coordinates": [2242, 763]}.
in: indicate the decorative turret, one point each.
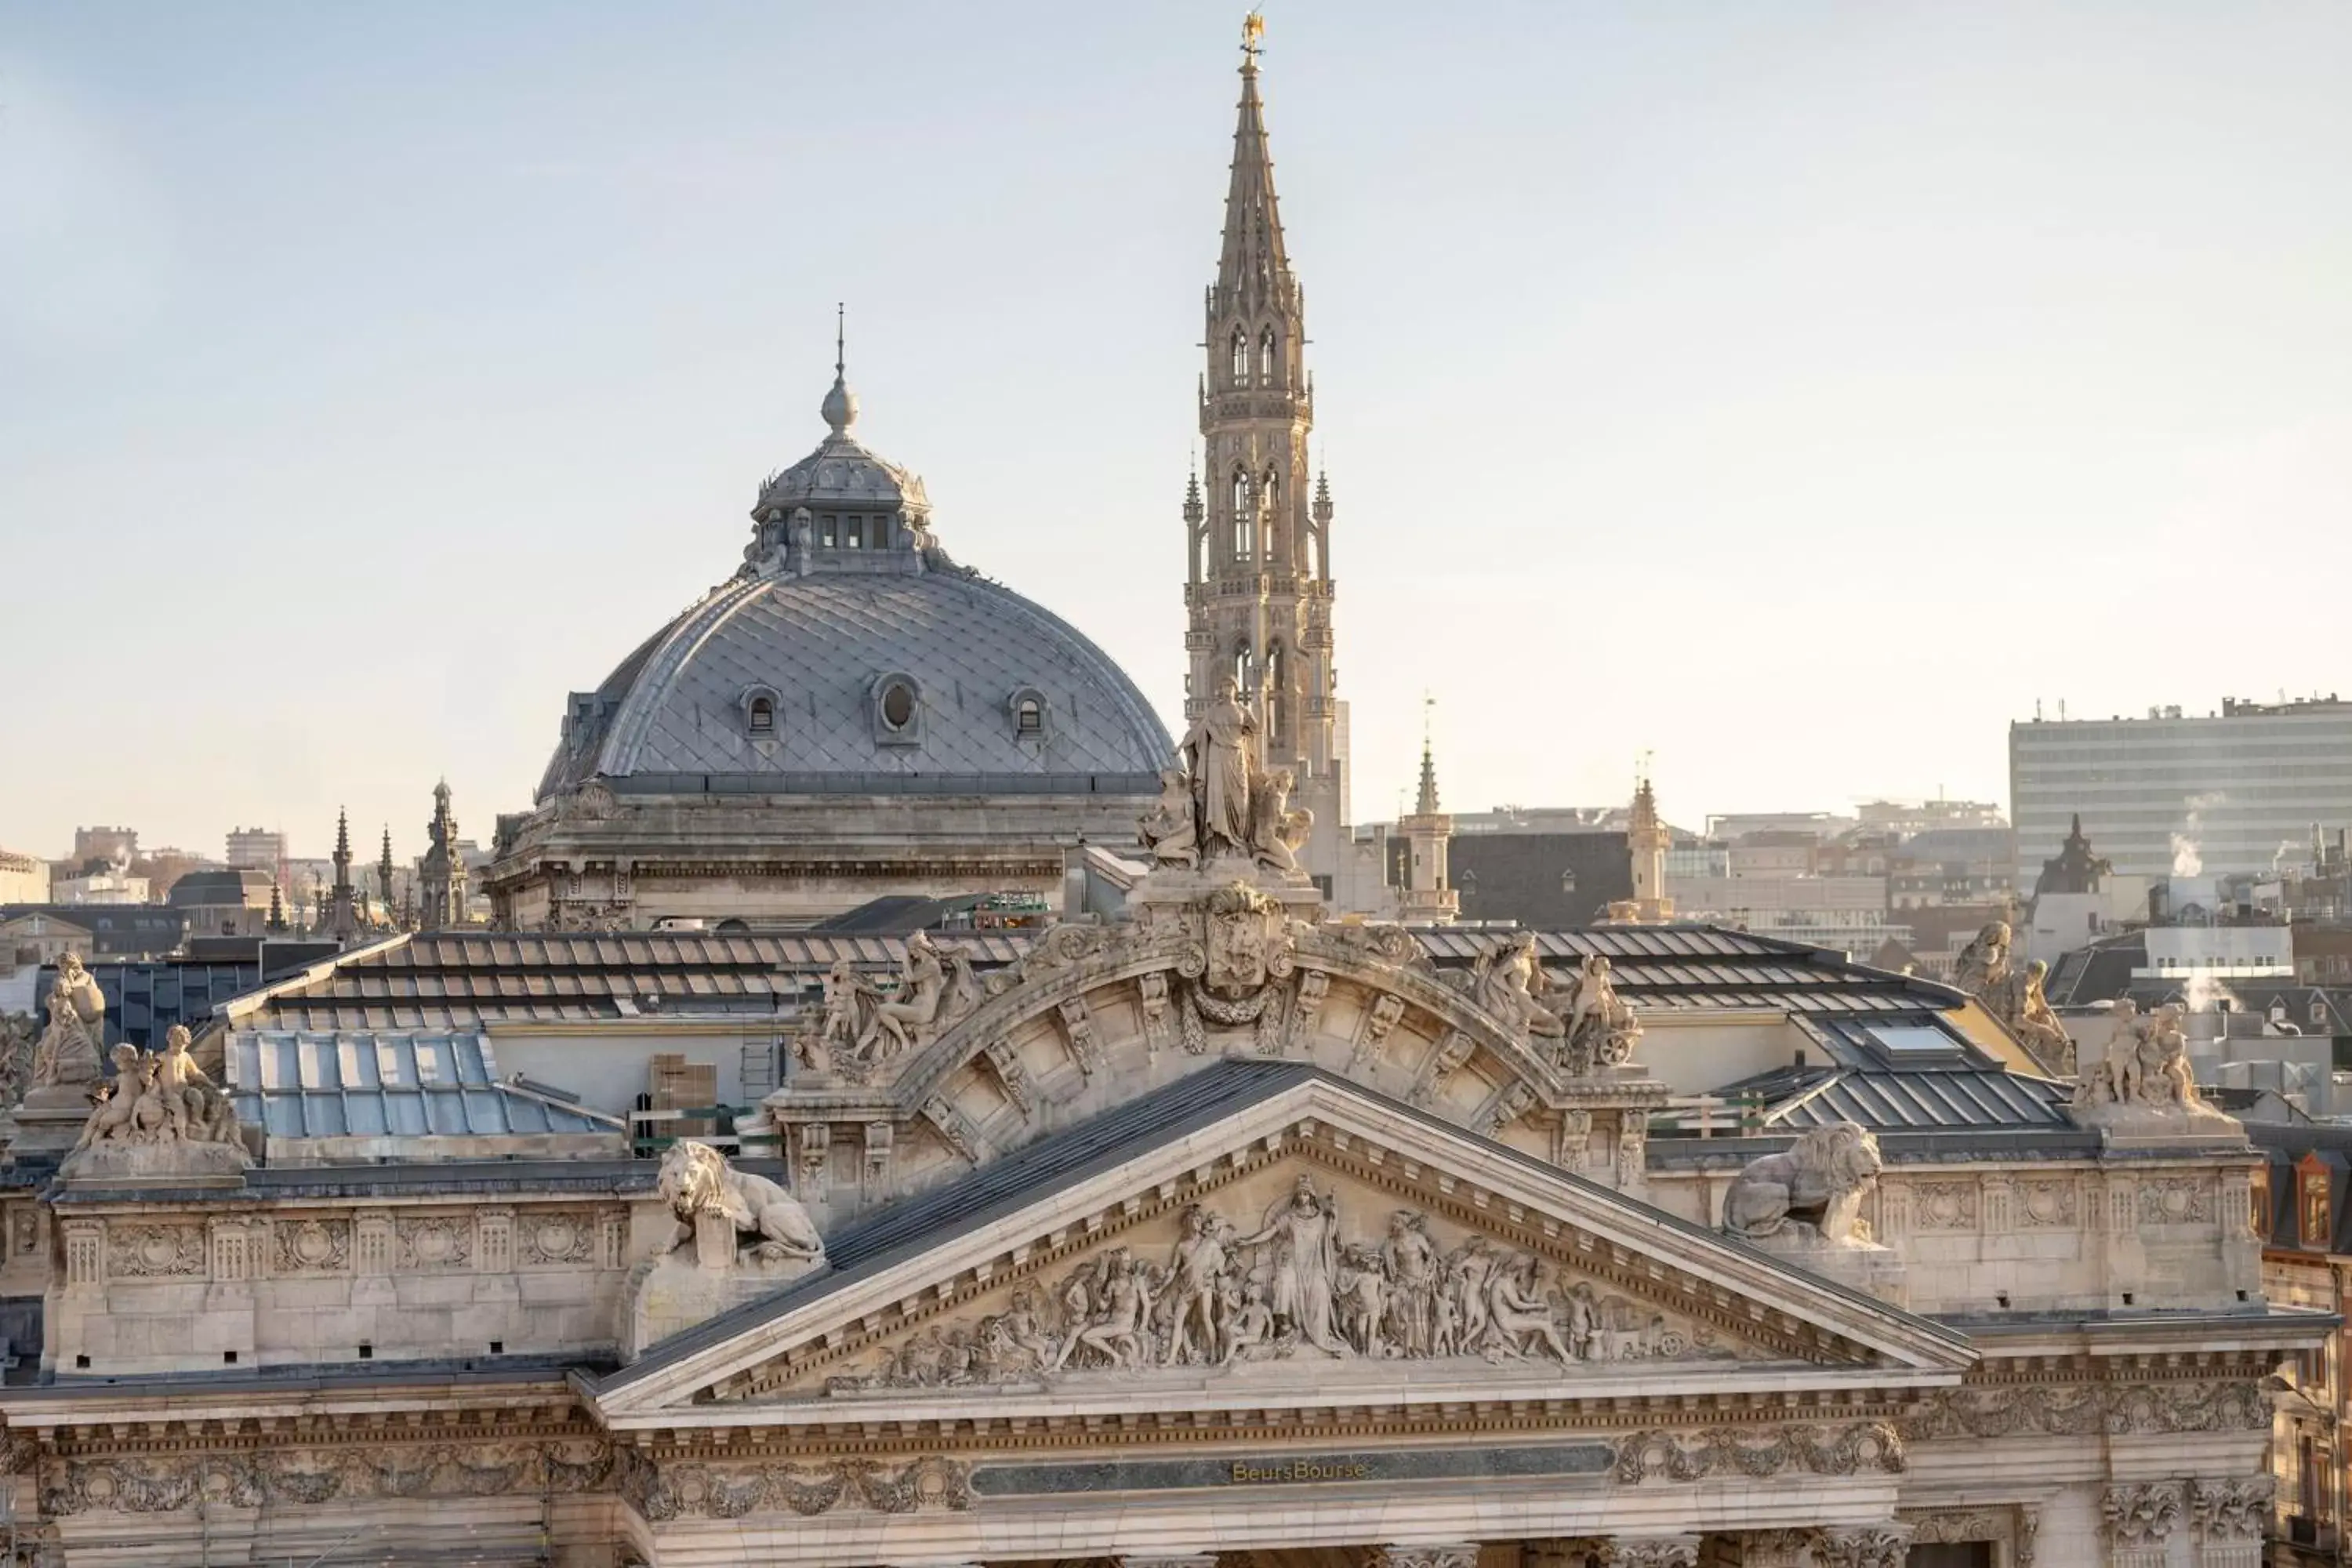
{"type": "Point", "coordinates": [383, 876]}
{"type": "Point", "coordinates": [443, 875]}
{"type": "Point", "coordinates": [341, 919]}
{"type": "Point", "coordinates": [1258, 586]}
{"type": "Point", "coordinates": [1424, 896]}
{"type": "Point", "coordinates": [1648, 839]}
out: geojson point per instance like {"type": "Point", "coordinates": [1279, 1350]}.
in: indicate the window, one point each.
{"type": "Point", "coordinates": [2313, 1217]}
{"type": "Point", "coordinates": [1240, 366]}
{"type": "Point", "coordinates": [758, 705]}
{"type": "Point", "coordinates": [828, 529]}
{"type": "Point", "coordinates": [899, 706]}
{"type": "Point", "coordinates": [763, 715]}
{"type": "Point", "coordinates": [853, 534]}
{"type": "Point", "coordinates": [1244, 519]}
{"type": "Point", "coordinates": [1266, 356]}
{"type": "Point", "coordinates": [2259, 1194]}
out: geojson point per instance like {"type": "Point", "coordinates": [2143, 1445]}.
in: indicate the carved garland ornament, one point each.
{"type": "Point", "coordinates": [661, 1492]}
{"type": "Point", "coordinates": [2120, 1410]}
{"type": "Point", "coordinates": [313, 1476]}
{"type": "Point", "coordinates": [1858, 1449]}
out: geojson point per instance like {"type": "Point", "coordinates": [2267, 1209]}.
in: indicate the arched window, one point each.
{"type": "Point", "coordinates": [1276, 696]}
{"type": "Point", "coordinates": [1269, 506]}
{"type": "Point", "coordinates": [1245, 673]}
{"type": "Point", "coordinates": [1244, 519]}
{"type": "Point", "coordinates": [763, 715]}
{"type": "Point", "coordinates": [1029, 719]}
{"type": "Point", "coordinates": [1240, 355]}
{"type": "Point", "coordinates": [1265, 372]}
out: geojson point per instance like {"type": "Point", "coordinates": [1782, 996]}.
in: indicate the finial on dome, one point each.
{"type": "Point", "coordinates": [840, 409]}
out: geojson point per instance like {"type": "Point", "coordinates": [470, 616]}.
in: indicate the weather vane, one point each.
{"type": "Point", "coordinates": [1253, 35]}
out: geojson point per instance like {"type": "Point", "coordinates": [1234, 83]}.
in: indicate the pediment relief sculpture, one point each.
{"type": "Point", "coordinates": [1292, 1271]}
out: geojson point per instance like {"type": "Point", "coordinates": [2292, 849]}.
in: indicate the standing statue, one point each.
{"type": "Point", "coordinates": [1303, 1228]}
{"type": "Point", "coordinates": [1219, 754]}
{"type": "Point", "coordinates": [68, 1051]}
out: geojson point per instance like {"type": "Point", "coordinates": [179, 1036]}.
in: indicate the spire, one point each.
{"type": "Point", "coordinates": [384, 872]}
{"type": "Point", "coordinates": [840, 408]}
{"type": "Point", "coordinates": [343, 848]}
{"type": "Point", "coordinates": [1253, 259]}
{"type": "Point", "coordinates": [276, 910]}
{"type": "Point", "coordinates": [1426, 804]}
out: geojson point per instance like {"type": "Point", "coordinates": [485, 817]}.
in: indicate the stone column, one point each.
{"type": "Point", "coordinates": [1868, 1546]}
{"type": "Point", "coordinates": [1439, 1555]}
{"type": "Point", "coordinates": [1652, 1552]}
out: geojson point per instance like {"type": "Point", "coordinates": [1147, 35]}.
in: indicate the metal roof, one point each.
{"type": "Point", "coordinates": [395, 1085]}
{"type": "Point", "coordinates": [1682, 967]}
{"type": "Point", "coordinates": [1927, 1100]}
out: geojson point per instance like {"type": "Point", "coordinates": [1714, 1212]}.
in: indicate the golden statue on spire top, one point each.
{"type": "Point", "coordinates": [1253, 35]}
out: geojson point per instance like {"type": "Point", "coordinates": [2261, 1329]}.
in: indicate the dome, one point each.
{"type": "Point", "coordinates": [850, 655]}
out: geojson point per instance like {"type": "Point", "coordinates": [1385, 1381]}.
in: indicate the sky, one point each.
{"type": "Point", "coordinates": [1795, 394]}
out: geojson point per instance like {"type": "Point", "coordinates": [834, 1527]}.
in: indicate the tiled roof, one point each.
{"type": "Point", "coordinates": [1972, 1100]}
{"type": "Point", "coordinates": [463, 979]}
{"type": "Point", "coordinates": [384, 1085]}
{"type": "Point", "coordinates": [820, 644]}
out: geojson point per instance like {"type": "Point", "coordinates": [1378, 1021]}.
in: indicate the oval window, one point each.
{"type": "Point", "coordinates": [899, 706]}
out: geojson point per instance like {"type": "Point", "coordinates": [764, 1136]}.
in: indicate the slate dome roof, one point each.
{"type": "Point", "coordinates": [851, 655]}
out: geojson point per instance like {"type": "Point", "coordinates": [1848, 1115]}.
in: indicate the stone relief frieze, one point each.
{"type": "Point", "coordinates": [2047, 1205]}
{"type": "Point", "coordinates": [427, 1242]}
{"type": "Point", "coordinates": [1296, 1279]}
{"type": "Point", "coordinates": [558, 1238]}
{"type": "Point", "coordinates": [1862, 1449]}
{"type": "Point", "coordinates": [2079, 1409]}
{"type": "Point", "coordinates": [154, 1251]}
{"type": "Point", "coordinates": [2176, 1200]}
{"type": "Point", "coordinates": [696, 1489]}
{"type": "Point", "coordinates": [319, 1475]}
{"type": "Point", "coordinates": [310, 1246]}
{"type": "Point", "coordinates": [1943, 1205]}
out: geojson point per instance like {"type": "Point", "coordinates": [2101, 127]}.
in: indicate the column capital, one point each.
{"type": "Point", "coordinates": [1867, 1546]}
{"type": "Point", "coordinates": [1438, 1554]}
{"type": "Point", "coordinates": [1652, 1552]}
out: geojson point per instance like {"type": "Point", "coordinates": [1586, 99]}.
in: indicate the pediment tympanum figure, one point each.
{"type": "Point", "coordinates": [890, 1098]}
{"type": "Point", "coordinates": [1267, 1233]}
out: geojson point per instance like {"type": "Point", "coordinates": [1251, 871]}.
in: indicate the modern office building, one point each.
{"type": "Point", "coordinates": [2224, 794]}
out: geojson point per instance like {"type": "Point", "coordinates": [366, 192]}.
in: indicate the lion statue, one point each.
{"type": "Point", "coordinates": [695, 1179]}
{"type": "Point", "coordinates": [1814, 1188]}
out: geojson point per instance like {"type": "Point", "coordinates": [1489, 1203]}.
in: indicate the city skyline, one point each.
{"type": "Point", "coordinates": [388, 376]}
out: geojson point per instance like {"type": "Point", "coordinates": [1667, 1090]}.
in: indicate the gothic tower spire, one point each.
{"type": "Point", "coordinates": [1258, 587]}
{"type": "Point", "coordinates": [343, 910]}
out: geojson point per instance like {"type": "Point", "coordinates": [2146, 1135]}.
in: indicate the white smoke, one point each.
{"type": "Point", "coordinates": [2188, 860]}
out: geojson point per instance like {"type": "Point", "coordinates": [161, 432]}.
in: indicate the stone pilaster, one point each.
{"type": "Point", "coordinates": [1652, 1552]}
{"type": "Point", "coordinates": [1869, 1546]}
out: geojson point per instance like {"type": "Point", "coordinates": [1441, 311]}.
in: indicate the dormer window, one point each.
{"type": "Point", "coordinates": [758, 705]}
{"type": "Point", "coordinates": [1027, 707]}
{"type": "Point", "coordinates": [2314, 1215]}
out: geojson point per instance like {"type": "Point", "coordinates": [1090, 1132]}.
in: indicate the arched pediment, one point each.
{"type": "Point", "coordinates": [1095, 1015]}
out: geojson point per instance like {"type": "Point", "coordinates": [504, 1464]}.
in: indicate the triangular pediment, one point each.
{"type": "Point", "coordinates": [1268, 1234]}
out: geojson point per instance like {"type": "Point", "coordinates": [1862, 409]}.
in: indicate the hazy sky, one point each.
{"type": "Point", "coordinates": [1796, 392]}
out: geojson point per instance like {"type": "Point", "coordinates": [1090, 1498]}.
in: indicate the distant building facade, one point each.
{"type": "Point", "coordinates": [258, 848]}
{"type": "Point", "coordinates": [105, 844]}
{"type": "Point", "coordinates": [24, 878]}
{"type": "Point", "coordinates": [2221, 793]}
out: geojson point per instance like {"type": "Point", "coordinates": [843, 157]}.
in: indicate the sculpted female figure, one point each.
{"type": "Point", "coordinates": [1306, 1257]}
{"type": "Point", "coordinates": [1218, 751]}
